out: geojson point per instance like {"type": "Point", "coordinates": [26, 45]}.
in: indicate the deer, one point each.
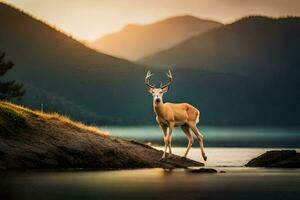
{"type": "Point", "coordinates": [170, 115]}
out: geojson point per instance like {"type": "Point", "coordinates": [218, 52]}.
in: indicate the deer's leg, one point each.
{"type": "Point", "coordinates": [164, 128]}
{"type": "Point", "coordinates": [199, 137]}
{"type": "Point", "coordinates": [186, 130]}
{"type": "Point", "coordinates": [169, 136]}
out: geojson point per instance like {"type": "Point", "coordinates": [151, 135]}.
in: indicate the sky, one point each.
{"type": "Point", "coordinates": [90, 19]}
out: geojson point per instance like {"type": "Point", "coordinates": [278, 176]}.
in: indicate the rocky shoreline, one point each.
{"type": "Point", "coordinates": [33, 140]}
{"type": "Point", "coordinates": [276, 158]}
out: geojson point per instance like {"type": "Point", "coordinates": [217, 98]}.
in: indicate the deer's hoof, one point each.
{"type": "Point", "coordinates": [162, 159]}
{"type": "Point", "coordinates": [205, 158]}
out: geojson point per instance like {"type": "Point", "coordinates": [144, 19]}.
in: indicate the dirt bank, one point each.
{"type": "Point", "coordinates": [34, 140]}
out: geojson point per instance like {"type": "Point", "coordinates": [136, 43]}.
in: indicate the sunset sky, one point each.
{"type": "Point", "coordinates": [90, 19]}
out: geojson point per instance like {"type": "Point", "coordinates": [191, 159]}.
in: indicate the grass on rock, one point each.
{"type": "Point", "coordinates": [14, 116]}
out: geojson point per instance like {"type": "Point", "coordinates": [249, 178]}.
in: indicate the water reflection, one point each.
{"type": "Point", "coordinates": [151, 184]}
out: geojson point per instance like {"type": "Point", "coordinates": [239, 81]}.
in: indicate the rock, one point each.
{"type": "Point", "coordinates": [276, 158]}
{"type": "Point", "coordinates": [202, 170]}
{"type": "Point", "coordinates": [174, 161]}
{"type": "Point", "coordinates": [49, 143]}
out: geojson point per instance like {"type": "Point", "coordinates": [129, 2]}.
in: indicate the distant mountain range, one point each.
{"type": "Point", "coordinates": [251, 45]}
{"type": "Point", "coordinates": [63, 74]}
{"type": "Point", "coordinates": [136, 41]}
{"type": "Point", "coordinates": [244, 73]}
{"type": "Point", "coordinates": [258, 65]}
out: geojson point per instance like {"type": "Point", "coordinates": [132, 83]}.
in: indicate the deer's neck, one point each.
{"type": "Point", "coordinates": [158, 108]}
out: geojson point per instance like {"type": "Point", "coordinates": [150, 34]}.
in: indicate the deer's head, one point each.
{"type": "Point", "coordinates": [157, 93]}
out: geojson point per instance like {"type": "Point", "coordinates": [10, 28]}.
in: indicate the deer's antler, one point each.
{"type": "Point", "coordinates": [148, 75]}
{"type": "Point", "coordinates": [170, 77]}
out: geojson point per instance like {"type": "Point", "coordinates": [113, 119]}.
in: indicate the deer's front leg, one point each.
{"type": "Point", "coordinates": [169, 136]}
{"type": "Point", "coordinates": [164, 128]}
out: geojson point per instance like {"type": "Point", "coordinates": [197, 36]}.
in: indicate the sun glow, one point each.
{"type": "Point", "coordinates": [90, 19]}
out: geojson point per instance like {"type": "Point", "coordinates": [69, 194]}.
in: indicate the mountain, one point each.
{"type": "Point", "coordinates": [251, 44]}
{"type": "Point", "coordinates": [136, 41]}
{"type": "Point", "coordinates": [247, 71]}
{"type": "Point", "coordinates": [244, 73]}
{"type": "Point", "coordinates": [64, 75]}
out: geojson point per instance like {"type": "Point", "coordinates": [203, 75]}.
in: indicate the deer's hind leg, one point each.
{"type": "Point", "coordinates": [199, 137]}
{"type": "Point", "coordinates": [186, 130]}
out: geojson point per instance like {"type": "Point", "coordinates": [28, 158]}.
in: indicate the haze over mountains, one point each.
{"type": "Point", "coordinates": [245, 73]}
{"type": "Point", "coordinates": [252, 44]}
{"type": "Point", "coordinates": [135, 41]}
{"type": "Point", "coordinates": [61, 73]}
{"type": "Point", "coordinates": [258, 62]}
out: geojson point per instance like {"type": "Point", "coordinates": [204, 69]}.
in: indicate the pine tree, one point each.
{"type": "Point", "coordinates": [9, 89]}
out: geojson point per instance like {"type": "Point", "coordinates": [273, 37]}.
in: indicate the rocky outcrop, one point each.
{"type": "Point", "coordinates": [278, 158]}
{"type": "Point", "coordinates": [43, 142]}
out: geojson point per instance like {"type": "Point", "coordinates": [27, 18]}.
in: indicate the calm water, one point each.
{"type": "Point", "coordinates": [237, 183]}
{"type": "Point", "coordinates": [217, 136]}
{"type": "Point", "coordinates": [223, 157]}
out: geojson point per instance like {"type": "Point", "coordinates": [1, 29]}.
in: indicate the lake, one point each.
{"type": "Point", "coordinates": [217, 136]}
{"type": "Point", "coordinates": [161, 184]}
{"type": "Point", "coordinates": [228, 149]}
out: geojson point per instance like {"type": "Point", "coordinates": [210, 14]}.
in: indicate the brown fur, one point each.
{"type": "Point", "coordinates": [169, 115]}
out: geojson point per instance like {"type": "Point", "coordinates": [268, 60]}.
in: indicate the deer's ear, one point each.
{"type": "Point", "coordinates": [149, 89]}
{"type": "Point", "coordinates": [165, 89]}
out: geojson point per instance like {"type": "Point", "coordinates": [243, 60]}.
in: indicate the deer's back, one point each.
{"type": "Point", "coordinates": [184, 111]}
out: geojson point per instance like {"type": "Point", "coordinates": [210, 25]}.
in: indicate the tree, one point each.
{"type": "Point", "coordinates": [9, 89]}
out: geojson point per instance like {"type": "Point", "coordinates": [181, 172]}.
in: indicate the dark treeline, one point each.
{"type": "Point", "coordinates": [8, 89]}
